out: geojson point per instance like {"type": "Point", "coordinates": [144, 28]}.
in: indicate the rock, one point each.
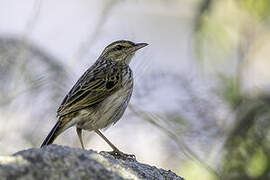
{"type": "Point", "coordinates": [61, 162]}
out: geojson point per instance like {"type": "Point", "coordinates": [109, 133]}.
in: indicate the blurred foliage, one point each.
{"type": "Point", "coordinates": [194, 170]}
{"type": "Point", "coordinates": [225, 34]}
{"type": "Point", "coordinates": [258, 8]}
{"type": "Point", "coordinates": [230, 91]}
{"type": "Point", "coordinates": [227, 25]}
{"type": "Point", "coordinates": [247, 146]}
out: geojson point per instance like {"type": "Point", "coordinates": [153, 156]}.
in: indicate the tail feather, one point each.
{"type": "Point", "coordinates": [52, 135]}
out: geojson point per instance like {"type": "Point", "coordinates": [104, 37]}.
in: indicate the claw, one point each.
{"type": "Point", "coordinates": [121, 155]}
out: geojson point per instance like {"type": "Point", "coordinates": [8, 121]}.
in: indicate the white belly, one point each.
{"type": "Point", "coordinates": [107, 112]}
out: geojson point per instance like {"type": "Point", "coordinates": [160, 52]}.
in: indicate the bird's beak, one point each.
{"type": "Point", "coordinates": [137, 47]}
{"type": "Point", "coordinates": [140, 45]}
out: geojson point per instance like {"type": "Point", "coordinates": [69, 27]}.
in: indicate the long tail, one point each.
{"type": "Point", "coordinates": [52, 135]}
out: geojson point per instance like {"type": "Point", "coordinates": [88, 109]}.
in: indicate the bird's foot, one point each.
{"type": "Point", "coordinates": [120, 155]}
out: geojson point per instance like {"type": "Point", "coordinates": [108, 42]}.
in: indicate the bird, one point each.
{"type": "Point", "coordinates": [100, 96]}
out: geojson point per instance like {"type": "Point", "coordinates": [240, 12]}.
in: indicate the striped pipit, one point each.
{"type": "Point", "coordinates": [100, 96]}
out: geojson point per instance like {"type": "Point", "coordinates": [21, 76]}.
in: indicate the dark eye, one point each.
{"type": "Point", "coordinates": [119, 47]}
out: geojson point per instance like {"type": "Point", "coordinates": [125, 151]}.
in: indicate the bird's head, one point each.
{"type": "Point", "coordinates": [121, 51]}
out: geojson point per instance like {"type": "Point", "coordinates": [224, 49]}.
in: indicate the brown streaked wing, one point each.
{"type": "Point", "coordinates": [91, 89]}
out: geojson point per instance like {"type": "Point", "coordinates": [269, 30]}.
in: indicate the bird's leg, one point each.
{"type": "Point", "coordinates": [107, 141]}
{"type": "Point", "coordinates": [116, 152]}
{"type": "Point", "coordinates": [79, 133]}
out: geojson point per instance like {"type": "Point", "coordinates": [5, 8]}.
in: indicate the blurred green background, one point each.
{"type": "Point", "coordinates": [201, 103]}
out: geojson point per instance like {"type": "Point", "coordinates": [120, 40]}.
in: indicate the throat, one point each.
{"type": "Point", "coordinates": [128, 59]}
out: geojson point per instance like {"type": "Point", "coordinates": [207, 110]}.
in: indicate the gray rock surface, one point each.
{"type": "Point", "coordinates": [61, 162]}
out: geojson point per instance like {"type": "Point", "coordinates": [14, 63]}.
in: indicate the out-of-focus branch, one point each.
{"type": "Point", "coordinates": [33, 19]}
{"type": "Point", "coordinates": [204, 7]}
{"type": "Point", "coordinates": [156, 121]}
{"type": "Point", "coordinates": [85, 46]}
{"type": "Point", "coordinates": [10, 48]}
